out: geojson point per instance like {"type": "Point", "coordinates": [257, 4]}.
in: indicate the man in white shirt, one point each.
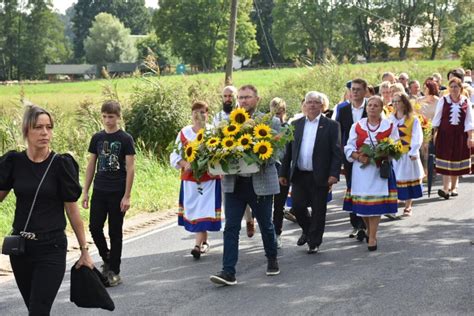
{"type": "Point", "coordinates": [312, 164]}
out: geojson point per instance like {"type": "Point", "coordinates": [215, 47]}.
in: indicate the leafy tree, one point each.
{"type": "Point", "coordinates": [161, 52]}
{"type": "Point", "coordinates": [262, 17]}
{"type": "Point", "coordinates": [109, 41]}
{"type": "Point", "coordinates": [405, 14]}
{"type": "Point", "coordinates": [197, 30]}
{"type": "Point", "coordinates": [368, 27]}
{"type": "Point", "coordinates": [31, 35]}
{"type": "Point", "coordinates": [437, 19]}
{"type": "Point", "coordinates": [463, 35]}
{"type": "Point", "coordinates": [132, 13]}
{"type": "Point", "coordinates": [9, 39]}
{"type": "Point", "coordinates": [305, 27]}
{"type": "Point", "coordinates": [47, 44]}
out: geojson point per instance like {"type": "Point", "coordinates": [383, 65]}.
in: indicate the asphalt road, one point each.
{"type": "Point", "coordinates": [424, 266]}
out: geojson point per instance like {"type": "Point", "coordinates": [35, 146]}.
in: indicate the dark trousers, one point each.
{"type": "Point", "coordinates": [40, 271]}
{"type": "Point", "coordinates": [235, 204]}
{"type": "Point", "coordinates": [103, 205]}
{"type": "Point", "coordinates": [356, 221]}
{"type": "Point", "coordinates": [305, 192]}
{"type": "Point", "coordinates": [279, 201]}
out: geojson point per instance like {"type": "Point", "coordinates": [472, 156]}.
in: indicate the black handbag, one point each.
{"type": "Point", "coordinates": [385, 165]}
{"type": "Point", "coordinates": [14, 245]}
{"type": "Point", "coordinates": [385, 169]}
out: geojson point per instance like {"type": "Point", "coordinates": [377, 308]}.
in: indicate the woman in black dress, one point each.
{"type": "Point", "coordinates": [40, 270]}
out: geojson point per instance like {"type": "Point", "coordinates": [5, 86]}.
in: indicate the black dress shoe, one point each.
{"type": "Point", "coordinates": [454, 194]}
{"type": "Point", "coordinates": [312, 249]}
{"type": "Point", "coordinates": [443, 194]}
{"type": "Point", "coordinates": [361, 235]}
{"type": "Point", "coordinates": [302, 240]}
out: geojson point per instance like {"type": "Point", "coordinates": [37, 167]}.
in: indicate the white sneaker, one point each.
{"type": "Point", "coordinates": [278, 239]}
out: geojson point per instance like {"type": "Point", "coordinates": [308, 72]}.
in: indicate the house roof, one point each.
{"type": "Point", "coordinates": [122, 67]}
{"type": "Point", "coordinates": [70, 69]}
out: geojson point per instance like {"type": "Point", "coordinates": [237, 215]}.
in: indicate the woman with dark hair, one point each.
{"type": "Point", "coordinates": [370, 195]}
{"type": "Point", "coordinates": [408, 169]}
{"type": "Point", "coordinates": [454, 137]}
{"type": "Point", "coordinates": [44, 183]}
{"type": "Point", "coordinates": [430, 99]}
{"type": "Point", "coordinates": [199, 199]}
{"type": "Point", "coordinates": [425, 108]}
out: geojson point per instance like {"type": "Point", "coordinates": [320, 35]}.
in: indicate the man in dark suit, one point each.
{"type": "Point", "coordinates": [348, 115]}
{"type": "Point", "coordinates": [312, 164]}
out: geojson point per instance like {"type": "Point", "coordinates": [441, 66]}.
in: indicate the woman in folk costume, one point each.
{"type": "Point", "coordinates": [454, 138]}
{"type": "Point", "coordinates": [370, 196]}
{"type": "Point", "coordinates": [408, 169]}
{"type": "Point", "coordinates": [199, 199]}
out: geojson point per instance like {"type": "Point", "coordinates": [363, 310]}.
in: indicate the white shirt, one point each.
{"type": "Point", "coordinates": [357, 112]}
{"type": "Point", "coordinates": [221, 116]}
{"type": "Point", "coordinates": [305, 158]}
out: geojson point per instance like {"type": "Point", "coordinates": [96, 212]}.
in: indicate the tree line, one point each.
{"type": "Point", "coordinates": [269, 32]}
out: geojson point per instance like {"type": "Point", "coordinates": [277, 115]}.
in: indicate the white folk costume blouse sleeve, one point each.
{"type": "Point", "coordinates": [438, 113]}
{"type": "Point", "coordinates": [416, 138]}
{"type": "Point", "coordinates": [468, 122]}
{"type": "Point", "coordinates": [175, 157]}
{"type": "Point", "coordinates": [351, 144]}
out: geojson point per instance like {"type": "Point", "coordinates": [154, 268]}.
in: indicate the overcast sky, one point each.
{"type": "Point", "coordinates": [62, 5]}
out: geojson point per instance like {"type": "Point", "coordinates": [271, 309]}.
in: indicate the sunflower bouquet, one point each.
{"type": "Point", "coordinates": [385, 149]}
{"type": "Point", "coordinates": [236, 144]}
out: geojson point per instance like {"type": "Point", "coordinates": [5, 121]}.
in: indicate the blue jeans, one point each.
{"type": "Point", "coordinates": [235, 204]}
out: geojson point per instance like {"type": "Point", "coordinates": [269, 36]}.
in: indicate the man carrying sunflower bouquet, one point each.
{"type": "Point", "coordinates": [250, 138]}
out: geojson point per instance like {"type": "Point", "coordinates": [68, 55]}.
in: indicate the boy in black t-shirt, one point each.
{"type": "Point", "coordinates": [112, 152]}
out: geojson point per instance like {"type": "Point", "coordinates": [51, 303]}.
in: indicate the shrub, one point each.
{"type": "Point", "coordinates": [467, 57]}
{"type": "Point", "coordinates": [158, 111]}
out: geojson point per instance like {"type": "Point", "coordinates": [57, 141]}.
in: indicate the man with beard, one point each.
{"type": "Point", "coordinates": [228, 95]}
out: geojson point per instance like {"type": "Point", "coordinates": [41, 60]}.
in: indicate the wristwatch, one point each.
{"type": "Point", "coordinates": [84, 248]}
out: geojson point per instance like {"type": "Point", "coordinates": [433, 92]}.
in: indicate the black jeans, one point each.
{"type": "Point", "coordinates": [40, 271]}
{"type": "Point", "coordinates": [279, 201]}
{"type": "Point", "coordinates": [103, 205]}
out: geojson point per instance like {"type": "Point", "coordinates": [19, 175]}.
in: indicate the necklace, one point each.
{"type": "Point", "coordinates": [376, 127]}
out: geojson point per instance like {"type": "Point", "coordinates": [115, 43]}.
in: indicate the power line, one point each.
{"type": "Point", "coordinates": [264, 33]}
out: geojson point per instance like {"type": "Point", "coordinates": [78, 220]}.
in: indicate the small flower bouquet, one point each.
{"type": "Point", "coordinates": [426, 127]}
{"type": "Point", "coordinates": [240, 145]}
{"type": "Point", "coordinates": [385, 149]}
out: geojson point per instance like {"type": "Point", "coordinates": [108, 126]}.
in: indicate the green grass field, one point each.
{"type": "Point", "coordinates": [67, 95]}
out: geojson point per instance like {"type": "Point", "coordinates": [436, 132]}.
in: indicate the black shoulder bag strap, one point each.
{"type": "Point", "coordinates": [24, 233]}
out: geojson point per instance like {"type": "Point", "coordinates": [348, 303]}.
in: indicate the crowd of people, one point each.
{"type": "Point", "coordinates": [326, 144]}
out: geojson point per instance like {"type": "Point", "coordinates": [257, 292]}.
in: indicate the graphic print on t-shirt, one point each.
{"type": "Point", "coordinates": [109, 156]}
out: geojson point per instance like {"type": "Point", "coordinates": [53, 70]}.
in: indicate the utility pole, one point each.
{"type": "Point", "coordinates": [231, 43]}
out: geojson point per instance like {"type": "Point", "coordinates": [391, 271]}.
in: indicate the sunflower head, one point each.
{"type": "Point", "coordinates": [245, 141]}
{"type": "Point", "coordinates": [263, 149]}
{"type": "Point", "coordinates": [213, 142]}
{"type": "Point", "coordinates": [200, 135]}
{"type": "Point", "coordinates": [231, 129]}
{"type": "Point", "coordinates": [190, 151]}
{"type": "Point", "coordinates": [261, 131]}
{"type": "Point", "coordinates": [228, 143]}
{"type": "Point", "coordinates": [239, 116]}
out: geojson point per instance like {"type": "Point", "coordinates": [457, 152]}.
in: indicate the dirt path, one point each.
{"type": "Point", "coordinates": [134, 226]}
